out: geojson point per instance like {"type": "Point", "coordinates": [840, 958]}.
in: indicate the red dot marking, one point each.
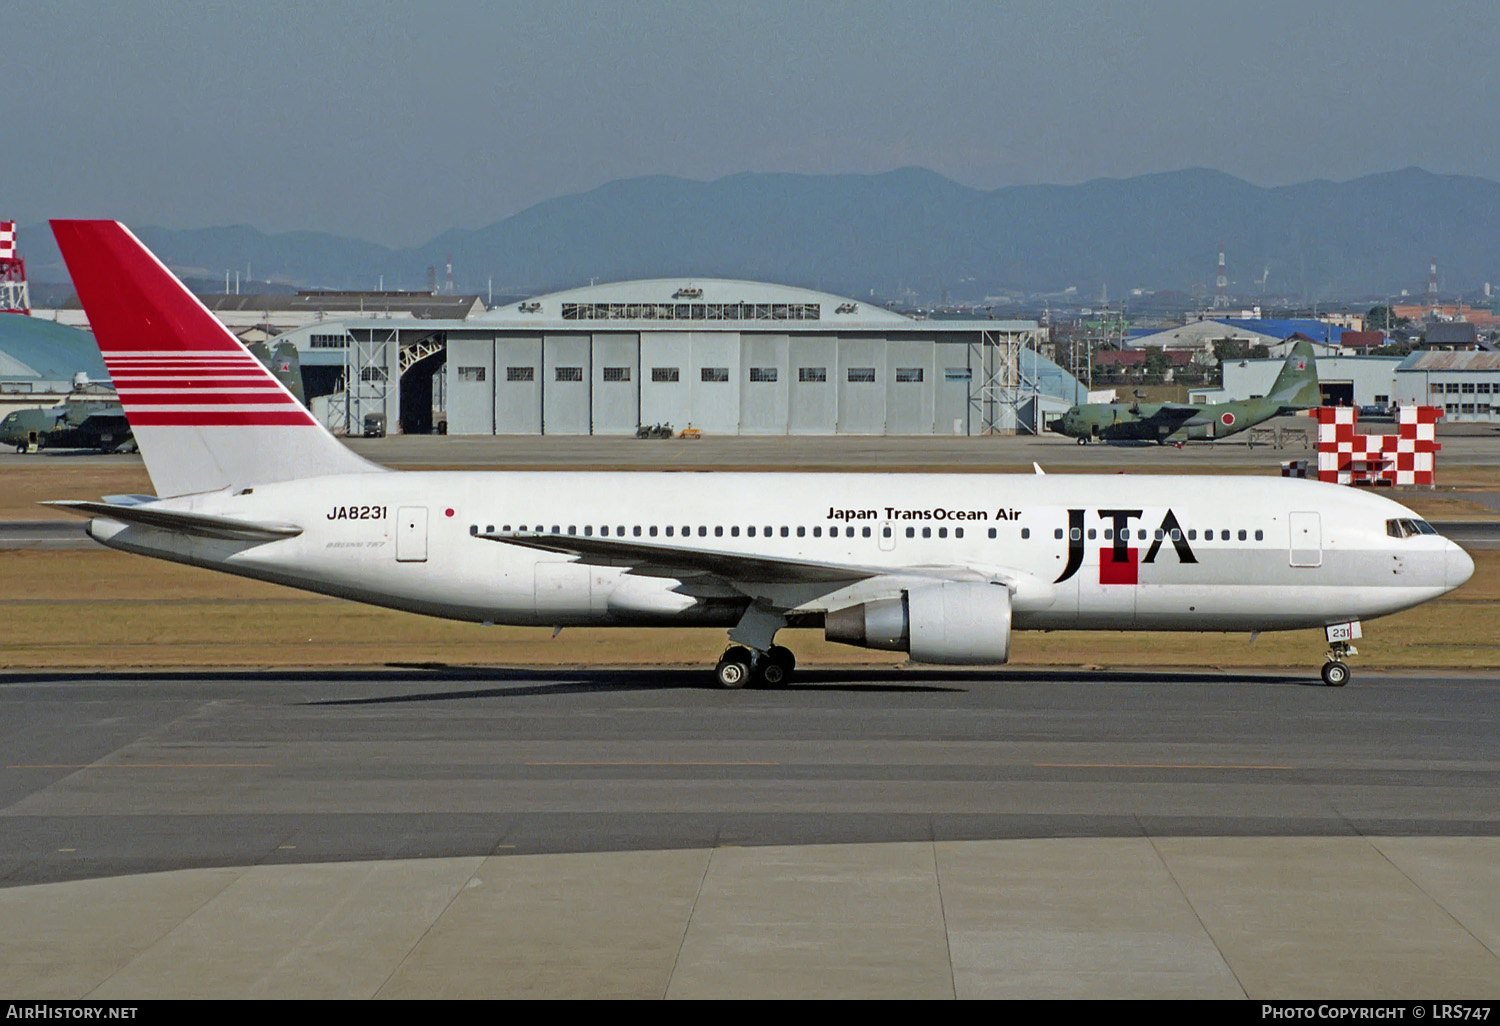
{"type": "Point", "coordinates": [448, 513]}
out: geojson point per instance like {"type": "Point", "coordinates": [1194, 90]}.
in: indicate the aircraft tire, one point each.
{"type": "Point", "coordinates": [777, 666]}
{"type": "Point", "coordinates": [1335, 674]}
{"type": "Point", "coordinates": [734, 670]}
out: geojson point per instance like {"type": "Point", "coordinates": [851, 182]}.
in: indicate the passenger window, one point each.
{"type": "Point", "coordinates": [636, 530]}
{"type": "Point", "coordinates": [1075, 534]}
{"type": "Point", "coordinates": [620, 531]}
{"type": "Point", "coordinates": [1093, 534]}
{"type": "Point", "coordinates": [1223, 536]}
{"type": "Point", "coordinates": [556, 529]}
{"type": "Point", "coordinates": [652, 530]}
{"type": "Point", "coordinates": [942, 532]}
{"type": "Point", "coordinates": [992, 532]}
{"type": "Point", "coordinates": [911, 532]}
{"type": "Point", "coordinates": [865, 532]}
{"type": "Point", "coordinates": [1141, 534]}
{"type": "Point", "coordinates": [801, 532]}
{"type": "Point", "coordinates": [734, 532]}
{"type": "Point", "coordinates": [926, 532]}
{"type": "Point", "coordinates": [1109, 534]}
{"type": "Point", "coordinates": [572, 529]}
{"type": "Point", "coordinates": [1057, 534]}
{"type": "Point", "coordinates": [1025, 532]}
{"type": "Point", "coordinates": [785, 532]}
{"type": "Point", "coordinates": [588, 530]}
{"type": "Point", "coordinates": [1159, 534]}
{"type": "Point", "coordinates": [958, 532]}
{"type": "Point", "coordinates": [817, 532]}
{"type": "Point", "coordinates": [1175, 535]}
{"type": "Point", "coordinates": [1260, 536]}
{"type": "Point", "coordinates": [750, 531]}
{"type": "Point", "coordinates": [1242, 534]}
{"type": "Point", "coordinates": [1192, 534]}
{"type": "Point", "coordinates": [848, 532]}
{"type": "Point", "coordinates": [885, 532]}
{"type": "Point", "coordinates": [703, 532]}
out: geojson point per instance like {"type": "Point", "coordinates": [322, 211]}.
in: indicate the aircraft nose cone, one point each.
{"type": "Point", "coordinates": [1460, 566]}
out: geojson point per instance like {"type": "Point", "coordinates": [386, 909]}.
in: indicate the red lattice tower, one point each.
{"type": "Point", "coordinates": [1405, 458]}
{"type": "Point", "coordinates": [14, 296]}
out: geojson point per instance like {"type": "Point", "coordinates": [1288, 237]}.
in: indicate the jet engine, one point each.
{"type": "Point", "coordinates": [939, 623]}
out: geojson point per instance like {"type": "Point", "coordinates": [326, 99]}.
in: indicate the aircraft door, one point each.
{"type": "Point", "coordinates": [411, 534]}
{"type": "Point", "coordinates": [1306, 539]}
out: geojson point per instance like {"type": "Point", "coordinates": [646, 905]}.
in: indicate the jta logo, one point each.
{"type": "Point", "coordinates": [1119, 562]}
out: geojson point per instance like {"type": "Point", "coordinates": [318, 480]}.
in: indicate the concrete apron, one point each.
{"type": "Point", "coordinates": [1257, 917]}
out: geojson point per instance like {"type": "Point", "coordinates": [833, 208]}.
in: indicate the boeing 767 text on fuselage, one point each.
{"type": "Point", "coordinates": [943, 567]}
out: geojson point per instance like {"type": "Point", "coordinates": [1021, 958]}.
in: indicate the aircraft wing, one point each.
{"type": "Point", "coordinates": [1173, 414]}
{"type": "Point", "coordinates": [655, 559]}
{"type": "Point", "coordinates": [200, 524]}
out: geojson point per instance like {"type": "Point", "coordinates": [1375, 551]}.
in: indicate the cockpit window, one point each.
{"type": "Point", "coordinates": [1406, 527]}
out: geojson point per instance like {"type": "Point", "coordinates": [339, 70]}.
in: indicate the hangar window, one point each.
{"type": "Point", "coordinates": [767, 374]}
{"type": "Point", "coordinates": [1484, 388]}
{"type": "Point", "coordinates": [617, 374]}
{"type": "Point", "coordinates": [957, 374]}
{"type": "Point", "coordinates": [1437, 389]}
{"type": "Point", "coordinates": [372, 374]}
{"type": "Point", "coordinates": [1468, 388]}
{"type": "Point", "coordinates": [1466, 408]}
{"type": "Point", "coordinates": [1453, 388]}
{"type": "Point", "coordinates": [664, 374]}
{"type": "Point", "coordinates": [714, 373]}
{"type": "Point", "coordinates": [812, 374]}
{"type": "Point", "coordinates": [908, 373]}
{"type": "Point", "coordinates": [569, 373]}
{"type": "Point", "coordinates": [328, 341]}
{"type": "Point", "coordinates": [861, 373]}
{"type": "Point", "coordinates": [519, 374]}
{"type": "Point", "coordinates": [471, 374]}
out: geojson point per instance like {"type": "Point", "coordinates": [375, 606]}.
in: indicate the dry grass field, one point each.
{"type": "Point", "coordinates": [108, 609]}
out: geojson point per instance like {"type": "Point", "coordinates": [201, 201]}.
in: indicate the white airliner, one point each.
{"type": "Point", "coordinates": [941, 566]}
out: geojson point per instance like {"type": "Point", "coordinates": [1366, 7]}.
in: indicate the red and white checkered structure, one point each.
{"type": "Point", "coordinates": [14, 296]}
{"type": "Point", "coordinates": [1405, 458]}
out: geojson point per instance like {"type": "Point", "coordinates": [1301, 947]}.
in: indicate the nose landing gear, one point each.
{"type": "Point", "coordinates": [1335, 670]}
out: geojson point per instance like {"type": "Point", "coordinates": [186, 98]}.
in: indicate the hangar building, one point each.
{"type": "Point", "coordinates": [728, 357]}
{"type": "Point", "coordinates": [40, 361]}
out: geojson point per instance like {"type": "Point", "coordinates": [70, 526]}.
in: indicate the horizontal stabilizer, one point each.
{"type": "Point", "coordinates": [200, 524]}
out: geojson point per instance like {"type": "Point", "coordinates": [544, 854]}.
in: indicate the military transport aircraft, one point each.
{"type": "Point", "coordinates": [1295, 388]}
{"type": "Point", "coordinates": [941, 566]}
{"type": "Point", "coordinates": [80, 421]}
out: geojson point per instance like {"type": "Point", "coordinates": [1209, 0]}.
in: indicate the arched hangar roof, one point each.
{"type": "Point", "coordinates": [705, 300]}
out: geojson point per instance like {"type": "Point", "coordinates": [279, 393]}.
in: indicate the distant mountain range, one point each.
{"type": "Point", "coordinates": [913, 234]}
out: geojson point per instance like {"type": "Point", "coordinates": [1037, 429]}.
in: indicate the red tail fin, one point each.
{"type": "Point", "coordinates": [183, 377]}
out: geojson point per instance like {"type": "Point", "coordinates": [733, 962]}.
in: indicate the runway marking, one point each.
{"type": "Point", "coordinates": [630, 763]}
{"type": "Point", "coordinates": [1156, 765]}
{"type": "Point", "coordinates": [144, 765]}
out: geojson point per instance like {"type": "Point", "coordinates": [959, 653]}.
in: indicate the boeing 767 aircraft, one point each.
{"type": "Point", "coordinates": [941, 566]}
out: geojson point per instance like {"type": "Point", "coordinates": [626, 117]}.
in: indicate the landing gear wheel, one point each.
{"type": "Point", "coordinates": [1335, 674]}
{"type": "Point", "coordinates": [1083, 441]}
{"type": "Point", "coordinates": [733, 671]}
{"type": "Point", "coordinates": [777, 666]}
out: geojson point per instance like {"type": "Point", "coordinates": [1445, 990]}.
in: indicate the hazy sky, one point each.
{"type": "Point", "coordinates": [394, 121]}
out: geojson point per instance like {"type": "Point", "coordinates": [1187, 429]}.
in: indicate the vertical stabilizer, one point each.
{"type": "Point", "coordinates": [1297, 384]}
{"type": "Point", "coordinates": [206, 413]}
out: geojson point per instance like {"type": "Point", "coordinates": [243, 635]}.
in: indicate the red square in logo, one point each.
{"type": "Point", "coordinates": [1127, 571]}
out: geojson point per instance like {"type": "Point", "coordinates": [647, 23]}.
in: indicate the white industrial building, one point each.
{"type": "Point", "coordinates": [1465, 384]}
{"type": "Point", "coordinates": [727, 357]}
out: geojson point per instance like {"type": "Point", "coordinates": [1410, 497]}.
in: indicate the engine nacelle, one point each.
{"type": "Point", "coordinates": [955, 623]}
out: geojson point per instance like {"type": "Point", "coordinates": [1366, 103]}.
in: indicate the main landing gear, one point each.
{"type": "Point", "coordinates": [742, 667]}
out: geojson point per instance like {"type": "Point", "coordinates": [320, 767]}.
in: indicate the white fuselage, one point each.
{"type": "Point", "coordinates": [1249, 554]}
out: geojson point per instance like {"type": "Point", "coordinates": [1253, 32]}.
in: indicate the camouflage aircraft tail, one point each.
{"type": "Point", "coordinates": [1297, 384]}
